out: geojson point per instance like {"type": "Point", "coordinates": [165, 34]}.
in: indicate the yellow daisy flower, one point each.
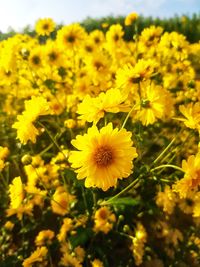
{"type": "Point", "coordinates": [44, 237]}
{"type": "Point", "coordinates": [191, 113]}
{"type": "Point", "coordinates": [153, 104]}
{"type": "Point", "coordinates": [25, 128]}
{"type": "Point", "coordinates": [37, 256]}
{"type": "Point", "coordinates": [103, 220]}
{"type": "Point", "coordinates": [104, 157]}
{"type": "Point", "coordinates": [16, 193]}
{"type": "Point", "coordinates": [130, 18]}
{"type": "Point", "coordinates": [191, 179]}
{"type": "Point", "coordinates": [45, 26]}
{"type": "Point", "coordinates": [71, 36]}
{"type": "Point", "coordinates": [60, 202]}
{"type": "Point", "coordinates": [93, 109]}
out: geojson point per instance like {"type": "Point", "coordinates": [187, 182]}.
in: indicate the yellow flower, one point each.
{"type": "Point", "coordinates": [191, 179]}
{"type": "Point", "coordinates": [44, 237]}
{"type": "Point", "coordinates": [151, 104]}
{"type": "Point", "coordinates": [45, 26]}
{"type": "Point", "coordinates": [128, 76]}
{"type": "Point", "coordinates": [9, 225]}
{"type": "Point", "coordinates": [61, 201]}
{"type": "Point", "coordinates": [25, 128]}
{"type": "Point", "coordinates": [2, 164]}
{"type": "Point", "coordinates": [37, 256]}
{"type": "Point", "coordinates": [114, 34]}
{"type": "Point", "coordinates": [104, 157]}
{"type": "Point", "coordinates": [69, 260]}
{"type": "Point", "coordinates": [4, 152]}
{"type": "Point", "coordinates": [166, 199]}
{"type": "Point", "coordinates": [97, 37]}
{"type": "Point", "coordinates": [103, 220]}
{"type": "Point", "coordinates": [93, 109]}
{"type": "Point", "coordinates": [53, 55]}
{"type": "Point", "coordinates": [65, 228]}
{"type": "Point", "coordinates": [130, 18]}
{"type": "Point", "coordinates": [196, 201]}
{"type": "Point", "coordinates": [35, 107]}
{"type": "Point", "coordinates": [97, 263]}
{"type": "Point", "coordinates": [192, 115]}
{"type": "Point", "coordinates": [35, 58]}
{"type": "Point", "coordinates": [71, 36]}
{"type": "Point", "coordinates": [138, 242]}
{"type": "Point", "coordinates": [16, 193]}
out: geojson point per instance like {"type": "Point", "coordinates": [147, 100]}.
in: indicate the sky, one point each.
{"type": "Point", "coordinates": [20, 13]}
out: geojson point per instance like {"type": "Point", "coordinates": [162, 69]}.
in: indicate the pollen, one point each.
{"type": "Point", "coordinates": [103, 156]}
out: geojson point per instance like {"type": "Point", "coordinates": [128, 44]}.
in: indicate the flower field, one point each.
{"type": "Point", "coordinates": [99, 148]}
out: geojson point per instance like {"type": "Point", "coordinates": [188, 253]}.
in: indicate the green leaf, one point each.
{"type": "Point", "coordinates": [81, 237]}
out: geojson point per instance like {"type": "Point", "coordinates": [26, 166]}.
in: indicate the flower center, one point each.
{"type": "Point", "coordinates": [46, 26]}
{"type": "Point", "coordinates": [196, 179]}
{"type": "Point", "coordinates": [103, 156]}
{"type": "Point", "coordinates": [103, 214]}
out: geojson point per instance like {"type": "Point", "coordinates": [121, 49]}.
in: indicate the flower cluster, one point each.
{"type": "Point", "coordinates": [99, 156]}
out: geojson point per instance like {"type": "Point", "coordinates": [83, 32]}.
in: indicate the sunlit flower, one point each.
{"type": "Point", "coordinates": [16, 192]}
{"type": "Point", "coordinates": [153, 103]}
{"type": "Point", "coordinates": [45, 26]}
{"type": "Point", "coordinates": [93, 109]}
{"type": "Point", "coordinates": [191, 179]}
{"type": "Point", "coordinates": [71, 36]}
{"type": "Point", "coordinates": [44, 238]}
{"type": "Point", "coordinates": [138, 243]}
{"type": "Point", "coordinates": [103, 220]}
{"type": "Point", "coordinates": [130, 18]}
{"type": "Point", "coordinates": [37, 256]}
{"type": "Point", "coordinates": [191, 113]}
{"type": "Point", "coordinates": [26, 130]}
{"type": "Point", "coordinates": [97, 263]}
{"type": "Point", "coordinates": [104, 157]}
{"type": "Point", "coordinates": [60, 202]}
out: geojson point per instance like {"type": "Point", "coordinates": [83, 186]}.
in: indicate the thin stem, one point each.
{"type": "Point", "coordinates": [167, 166]}
{"type": "Point", "coordinates": [50, 258]}
{"type": "Point", "coordinates": [120, 193]}
{"type": "Point", "coordinates": [3, 180]}
{"type": "Point", "coordinates": [165, 150]}
{"type": "Point", "coordinates": [128, 115]}
{"type": "Point", "coordinates": [52, 139]}
{"type": "Point", "coordinates": [125, 235]}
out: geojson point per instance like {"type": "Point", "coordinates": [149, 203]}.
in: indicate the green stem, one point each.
{"type": "Point", "coordinates": [165, 150]}
{"type": "Point", "coordinates": [167, 166]}
{"type": "Point", "coordinates": [120, 193]}
{"type": "Point", "coordinates": [128, 115]}
{"type": "Point", "coordinates": [52, 139]}
{"type": "Point", "coordinates": [3, 181]}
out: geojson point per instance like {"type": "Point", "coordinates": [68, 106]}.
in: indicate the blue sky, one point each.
{"type": "Point", "coordinates": [19, 13]}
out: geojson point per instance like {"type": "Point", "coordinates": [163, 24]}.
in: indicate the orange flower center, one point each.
{"type": "Point", "coordinates": [196, 179]}
{"type": "Point", "coordinates": [103, 156]}
{"type": "Point", "coordinates": [46, 26]}
{"type": "Point", "coordinates": [103, 214]}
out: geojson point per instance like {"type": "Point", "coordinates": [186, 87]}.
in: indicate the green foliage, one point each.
{"type": "Point", "coordinates": [189, 26]}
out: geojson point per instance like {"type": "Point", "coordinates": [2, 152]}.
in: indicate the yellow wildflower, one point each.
{"type": "Point", "coordinates": [103, 220]}
{"type": "Point", "coordinates": [44, 238]}
{"type": "Point", "coordinates": [60, 202]}
{"type": "Point", "coordinates": [130, 18]}
{"type": "Point", "coordinates": [37, 256]}
{"type": "Point", "coordinates": [104, 157]}
{"type": "Point", "coordinates": [191, 179]}
{"type": "Point", "coordinates": [45, 26]}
